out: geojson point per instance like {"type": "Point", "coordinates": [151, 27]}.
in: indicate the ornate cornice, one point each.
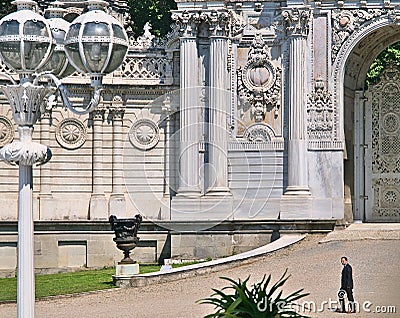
{"type": "Point", "coordinates": [296, 21]}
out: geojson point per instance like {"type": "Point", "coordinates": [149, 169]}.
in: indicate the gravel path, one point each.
{"type": "Point", "coordinates": [315, 267]}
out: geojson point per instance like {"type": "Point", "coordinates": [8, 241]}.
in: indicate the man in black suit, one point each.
{"type": "Point", "coordinates": [347, 286]}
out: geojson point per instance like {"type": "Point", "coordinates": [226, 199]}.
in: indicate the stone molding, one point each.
{"type": "Point", "coordinates": [382, 18]}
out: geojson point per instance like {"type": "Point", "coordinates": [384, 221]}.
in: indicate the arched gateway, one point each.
{"type": "Point", "coordinates": [249, 117]}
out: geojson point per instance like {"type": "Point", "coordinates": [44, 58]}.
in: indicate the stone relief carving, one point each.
{"type": "Point", "coordinates": [71, 133]}
{"type": "Point", "coordinates": [345, 22]}
{"type": "Point", "coordinates": [187, 22]}
{"type": "Point", "coordinates": [144, 134]}
{"type": "Point", "coordinates": [259, 132]}
{"type": "Point", "coordinates": [237, 24]}
{"type": "Point", "coordinates": [296, 21]}
{"type": "Point", "coordinates": [320, 112]}
{"type": "Point", "coordinates": [218, 22]}
{"type": "Point", "coordinates": [259, 80]}
{"type": "Point", "coordinates": [143, 42]}
{"type": "Point", "coordinates": [6, 131]}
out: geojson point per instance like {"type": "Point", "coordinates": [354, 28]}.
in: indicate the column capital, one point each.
{"type": "Point", "coordinates": [187, 22]}
{"type": "Point", "coordinates": [296, 21]}
{"type": "Point", "coordinates": [98, 114]}
{"type": "Point", "coordinates": [117, 108]}
{"type": "Point", "coordinates": [218, 22]}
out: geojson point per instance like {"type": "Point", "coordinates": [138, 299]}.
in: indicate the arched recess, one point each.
{"type": "Point", "coordinates": [349, 73]}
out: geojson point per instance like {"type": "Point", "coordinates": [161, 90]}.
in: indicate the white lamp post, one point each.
{"type": "Point", "coordinates": [33, 47]}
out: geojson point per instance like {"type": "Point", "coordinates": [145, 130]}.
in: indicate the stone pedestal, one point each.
{"type": "Point", "coordinates": [294, 207]}
{"type": "Point", "coordinates": [98, 207]}
{"type": "Point", "coordinates": [117, 205]}
{"type": "Point", "coordinates": [126, 270]}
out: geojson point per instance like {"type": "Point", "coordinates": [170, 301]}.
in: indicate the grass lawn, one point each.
{"type": "Point", "coordinates": [67, 283]}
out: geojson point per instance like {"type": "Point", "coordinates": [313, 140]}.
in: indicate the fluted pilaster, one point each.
{"type": "Point", "coordinates": [296, 23]}
{"type": "Point", "coordinates": [218, 111]}
{"type": "Point", "coordinates": [189, 117]}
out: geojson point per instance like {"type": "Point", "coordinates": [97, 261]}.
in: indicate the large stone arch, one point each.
{"type": "Point", "coordinates": [349, 71]}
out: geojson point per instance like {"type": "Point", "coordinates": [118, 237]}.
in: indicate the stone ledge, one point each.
{"type": "Point", "coordinates": [365, 231]}
{"type": "Point", "coordinates": [207, 267]}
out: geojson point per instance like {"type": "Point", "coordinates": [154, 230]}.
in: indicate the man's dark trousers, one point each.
{"type": "Point", "coordinates": [349, 292]}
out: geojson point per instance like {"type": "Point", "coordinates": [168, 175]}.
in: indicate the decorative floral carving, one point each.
{"type": "Point", "coordinates": [144, 134]}
{"type": "Point", "coordinates": [6, 131]}
{"type": "Point", "coordinates": [259, 132]}
{"type": "Point", "coordinates": [218, 22]}
{"type": "Point", "coordinates": [296, 21]}
{"type": "Point", "coordinates": [187, 22]}
{"type": "Point", "coordinates": [320, 113]}
{"type": "Point", "coordinates": [259, 81]}
{"type": "Point", "coordinates": [71, 133]}
{"type": "Point", "coordinates": [237, 23]}
{"type": "Point", "coordinates": [345, 22]}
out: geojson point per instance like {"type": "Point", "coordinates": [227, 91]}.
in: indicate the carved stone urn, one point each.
{"type": "Point", "coordinates": [126, 235]}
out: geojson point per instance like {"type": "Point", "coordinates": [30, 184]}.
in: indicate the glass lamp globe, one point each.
{"type": "Point", "coordinates": [58, 63]}
{"type": "Point", "coordinates": [26, 43]}
{"type": "Point", "coordinates": [96, 42]}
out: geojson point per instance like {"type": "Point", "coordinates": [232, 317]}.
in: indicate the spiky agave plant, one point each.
{"type": "Point", "coordinates": [256, 302]}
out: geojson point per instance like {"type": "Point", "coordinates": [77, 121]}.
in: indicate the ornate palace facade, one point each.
{"type": "Point", "coordinates": [251, 117]}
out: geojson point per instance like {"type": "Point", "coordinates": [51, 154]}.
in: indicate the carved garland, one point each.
{"type": "Point", "coordinates": [259, 81]}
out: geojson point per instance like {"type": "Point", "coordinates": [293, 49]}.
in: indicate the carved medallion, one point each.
{"type": "Point", "coordinates": [259, 133]}
{"type": "Point", "coordinates": [6, 131]}
{"type": "Point", "coordinates": [144, 134]}
{"type": "Point", "coordinates": [71, 133]}
{"type": "Point", "coordinates": [259, 81]}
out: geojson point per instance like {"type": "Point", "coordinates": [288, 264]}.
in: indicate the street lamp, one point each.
{"type": "Point", "coordinates": [95, 44]}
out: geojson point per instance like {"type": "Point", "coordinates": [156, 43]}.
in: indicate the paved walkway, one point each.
{"type": "Point", "coordinates": [314, 266]}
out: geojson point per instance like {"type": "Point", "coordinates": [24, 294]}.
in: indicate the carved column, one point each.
{"type": "Point", "coordinates": [117, 203]}
{"type": "Point", "coordinates": [296, 23]}
{"type": "Point", "coordinates": [189, 111]}
{"type": "Point", "coordinates": [46, 207]}
{"type": "Point", "coordinates": [218, 106]}
{"type": "Point", "coordinates": [98, 201]}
